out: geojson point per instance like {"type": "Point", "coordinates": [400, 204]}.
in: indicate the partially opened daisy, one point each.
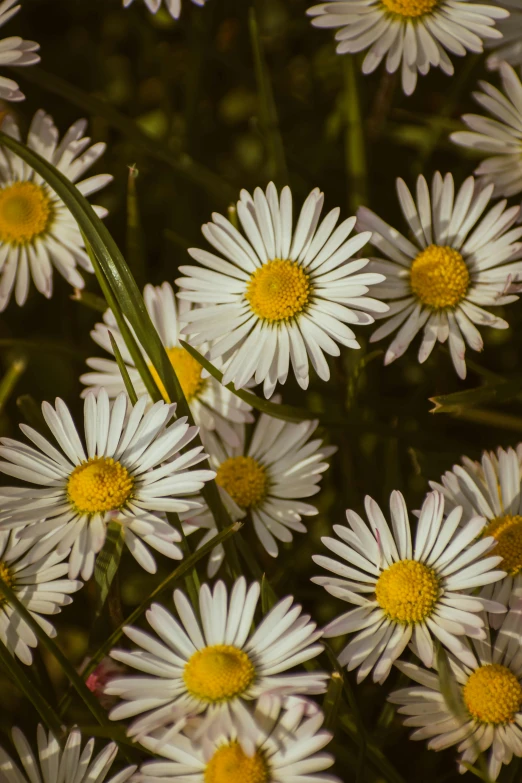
{"type": "Point", "coordinates": [130, 471]}
{"type": "Point", "coordinates": [412, 34]}
{"type": "Point", "coordinates": [489, 691]}
{"type": "Point", "coordinates": [453, 266]}
{"type": "Point", "coordinates": [277, 294]}
{"type": "Point", "coordinates": [269, 477]}
{"type": "Point", "coordinates": [287, 745]}
{"type": "Point", "coordinates": [50, 763]}
{"type": "Point", "coordinates": [14, 51]}
{"type": "Point", "coordinates": [37, 231]}
{"type": "Point", "coordinates": [39, 584]}
{"type": "Point", "coordinates": [501, 136]}
{"type": "Point", "coordinates": [172, 6]}
{"type": "Point", "coordinates": [213, 406]}
{"type": "Point", "coordinates": [491, 489]}
{"type": "Point", "coordinates": [404, 590]}
{"type": "Point", "coordinates": [216, 664]}
{"type": "Point", "coordinates": [509, 49]}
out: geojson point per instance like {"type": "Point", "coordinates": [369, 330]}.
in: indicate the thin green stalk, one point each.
{"type": "Point", "coordinates": [267, 108]}
{"type": "Point", "coordinates": [183, 165]}
{"type": "Point", "coordinates": [332, 701]}
{"type": "Point", "coordinates": [8, 383]}
{"type": "Point", "coordinates": [42, 346]}
{"type": "Point", "coordinates": [123, 370]}
{"type": "Point", "coordinates": [354, 146]}
{"type": "Point", "coordinates": [135, 238]}
{"type": "Point", "coordinates": [18, 676]}
{"type": "Point", "coordinates": [90, 300]}
{"type": "Point", "coordinates": [107, 563]}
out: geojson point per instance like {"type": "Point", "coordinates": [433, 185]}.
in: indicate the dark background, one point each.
{"type": "Point", "coordinates": [190, 87]}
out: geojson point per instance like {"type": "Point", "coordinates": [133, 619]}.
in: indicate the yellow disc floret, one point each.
{"type": "Point", "coordinates": [493, 694]}
{"type": "Point", "coordinates": [439, 277]}
{"type": "Point", "coordinates": [279, 290]}
{"type": "Point", "coordinates": [5, 576]}
{"type": "Point", "coordinates": [410, 8]}
{"type": "Point", "coordinates": [244, 479]}
{"type": "Point", "coordinates": [188, 371]}
{"type": "Point", "coordinates": [99, 484]}
{"type": "Point", "coordinates": [508, 532]}
{"type": "Point", "coordinates": [218, 673]}
{"type": "Point", "coordinates": [230, 764]}
{"type": "Point", "coordinates": [407, 591]}
{"type": "Point", "coordinates": [26, 213]}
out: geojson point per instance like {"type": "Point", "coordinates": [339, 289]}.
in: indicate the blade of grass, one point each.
{"type": "Point", "coordinates": [504, 421]}
{"type": "Point", "coordinates": [332, 701]}
{"type": "Point", "coordinates": [268, 113]}
{"type": "Point", "coordinates": [135, 238]}
{"type": "Point", "coordinates": [183, 165]}
{"type": "Point", "coordinates": [32, 413]}
{"type": "Point", "coordinates": [123, 370]}
{"type": "Point", "coordinates": [354, 145]}
{"type": "Point", "coordinates": [41, 346]}
{"type": "Point", "coordinates": [106, 565]}
{"type": "Point", "coordinates": [8, 383]}
{"type": "Point", "coordinates": [90, 300]}
{"type": "Point", "coordinates": [459, 402]}
{"type": "Point", "coordinates": [18, 676]}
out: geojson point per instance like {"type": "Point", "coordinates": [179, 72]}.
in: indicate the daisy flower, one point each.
{"type": "Point", "coordinates": [215, 665]}
{"type": "Point", "coordinates": [213, 406]}
{"type": "Point", "coordinates": [38, 583]}
{"type": "Point", "coordinates": [510, 48]}
{"type": "Point", "coordinates": [489, 688]}
{"type": "Point", "coordinates": [491, 489]}
{"type": "Point", "coordinates": [130, 471]}
{"type": "Point", "coordinates": [501, 135]}
{"type": "Point", "coordinates": [278, 294]}
{"type": "Point", "coordinates": [269, 477]}
{"type": "Point", "coordinates": [413, 34]}
{"type": "Point", "coordinates": [286, 748]}
{"type": "Point", "coordinates": [37, 231]}
{"type": "Point", "coordinates": [172, 6]}
{"type": "Point", "coordinates": [453, 265]}
{"type": "Point", "coordinates": [406, 591]}
{"type": "Point", "coordinates": [14, 51]}
{"type": "Point", "coordinates": [51, 763]}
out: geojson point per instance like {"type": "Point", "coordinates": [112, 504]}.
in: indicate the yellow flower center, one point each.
{"type": "Point", "coordinates": [99, 484]}
{"type": "Point", "coordinates": [26, 212]}
{"type": "Point", "coordinates": [508, 532]}
{"type": "Point", "coordinates": [279, 290]}
{"type": "Point", "coordinates": [5, 576]}
{"type": "Point", "coordinates": [230, 764]}
{"type": "Point", "coordinates": [493, 694]}
{"type": "Point", "coordinates": [407, 591]}
{"type": "Point", "coordinates": [439, 277]}
{"type": "Point", "coordinates": [244, 479]}
{"type": "Point", "coordinates": [410, 8]}
{"type": "Point", "coordinates": [188, 371]}
{"type": "Point", "coordinates": [218, 673]}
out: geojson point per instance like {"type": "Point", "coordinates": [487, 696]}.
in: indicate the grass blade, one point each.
{"type": "Point", "coordinates": [123, 370]}
{"type": "Point", "coordinates": [107, 563]}
{"type": "Point", "coordinates": [8, 383]}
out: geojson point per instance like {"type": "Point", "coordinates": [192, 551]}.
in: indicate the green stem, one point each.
{"type": "Point", "coordinates": [8, 383]}
{"type": "Point", "coordinates": [354, 146]}
{"type": "Point", "coordinates": [123, 370]}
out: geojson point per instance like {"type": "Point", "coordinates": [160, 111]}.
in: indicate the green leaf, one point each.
{"type": "Point", "coordinates": [90, 300]}
{"type": "Point", "coordinates": [107, 563]}
{"type": "Point", "coordinates": [123, 370]}
{"type": "Point", "coordinates": [490, 392]}
{"type": "Point", "coordinates": [286, 412]}
{"type": "Point", "coordinates": [19, 677]}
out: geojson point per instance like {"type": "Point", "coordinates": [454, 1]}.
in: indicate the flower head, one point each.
{"type": "Point", "coordinates": [501, 135]}
{"type": "Point", "coordinates": [284, 746]}
{"type": "Point", "coordinates": [213, 406]}
{"type": "Point", "coordinates": [215, 665]}
{"type": "Point", "coordinates": [488, 712]}
{"type": "Point", "coordinates": [70, 765]}
{"type": "Point", "coordinates": [14, 51]}
{"type": "Point", "coordinates": [172, 6]}
{"type": "Point", "coordinates": [37, 230]}
{"type": "Point", "coordinates": [130, 472]}
{"type": "Point", "coordinates": [278, 295]}
{"type": "Point", "coordinates": [454, 265]}
{"type": "Point", "coordinates": [38, 583]}
{"type": "Point", "coordinates": [509, 48]}
{"type": "Point", "coordinates": [407, 590]}
{"type": "Point", "coordinates": [413, 34]}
